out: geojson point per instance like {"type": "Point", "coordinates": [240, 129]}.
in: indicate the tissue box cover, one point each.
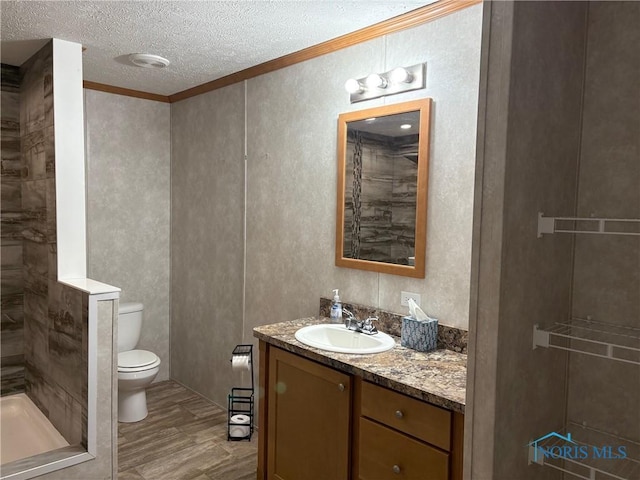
{"type": "Point", "coordinates": [421, 336]}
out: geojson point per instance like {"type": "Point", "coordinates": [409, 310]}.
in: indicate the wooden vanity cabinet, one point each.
{"type": "Point", "coordinates": [317, 423]}
{"type": "Point", "coordinates": [308, 420]}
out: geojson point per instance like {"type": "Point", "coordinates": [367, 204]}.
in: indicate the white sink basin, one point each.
{"type": "Point", "coordinates": [336, 338]}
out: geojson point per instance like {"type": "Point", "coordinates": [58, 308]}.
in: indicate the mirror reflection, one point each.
{"type": "Point", "coordinates": [382, 181]}
{"type": "Point", "coordinates": [381, 175]}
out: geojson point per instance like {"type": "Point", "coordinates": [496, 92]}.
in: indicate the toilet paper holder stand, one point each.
{"type": "Point", "coordinates": [241, 400]}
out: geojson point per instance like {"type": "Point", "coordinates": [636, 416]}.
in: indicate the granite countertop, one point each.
{"type": "Point", "coordinates": [438, 377]}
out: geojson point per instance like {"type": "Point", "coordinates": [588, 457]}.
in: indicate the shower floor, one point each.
{"type": "Point", "coordinates": [25, 430]}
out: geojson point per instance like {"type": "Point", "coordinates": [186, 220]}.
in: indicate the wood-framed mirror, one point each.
{"type": "Point", "coordinates": [383, 160]}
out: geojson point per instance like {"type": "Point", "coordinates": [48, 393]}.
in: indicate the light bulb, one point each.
{"type": "Point", "coordinates": [400, 75]}
{"type": "Point", "coordinates": [353, 86]}
{"type": "Point", "coordinates": [376, 81]}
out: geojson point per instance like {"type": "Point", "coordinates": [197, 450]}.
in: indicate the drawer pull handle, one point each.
{"type": "Point", "coordinates": [399, 414]}
{"type": "Point", "coordinates": [396, 469]}
{"type": "Point", "coordinates": [341, 387]}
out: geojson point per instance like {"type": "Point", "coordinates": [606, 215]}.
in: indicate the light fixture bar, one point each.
{"type": "Point", "coordinates": [416, 74]}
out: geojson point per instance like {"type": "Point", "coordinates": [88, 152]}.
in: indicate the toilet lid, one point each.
{"type": "Point", "coordinates": [136, 358]}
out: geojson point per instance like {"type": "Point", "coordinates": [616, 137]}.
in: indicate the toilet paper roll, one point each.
{"type": "Point", "coordinates": [239, 431]}
{"type": "Point", "coordinates": [239, 427]}
{"type": "Point", "coordinates": [240, 362]}
{"type": "Point", "coordinates": [240, 419]}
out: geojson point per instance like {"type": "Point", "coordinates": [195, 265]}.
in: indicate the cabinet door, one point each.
{"type": "Point", "coordinates": [308, 419]}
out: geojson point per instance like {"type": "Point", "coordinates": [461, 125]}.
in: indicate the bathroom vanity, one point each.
{"type": "Point", "coordinates": [396, 414]}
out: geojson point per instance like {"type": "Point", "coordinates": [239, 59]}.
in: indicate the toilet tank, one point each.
{"type": "Point", "coordinates": [129, 325]}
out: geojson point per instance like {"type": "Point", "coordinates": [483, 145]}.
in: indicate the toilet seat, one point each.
{"type": "Point", "coordinates": [137, 361]}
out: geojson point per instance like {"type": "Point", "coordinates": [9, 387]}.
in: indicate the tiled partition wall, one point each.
{"type": "Point", "coordinates": [55, 315]}
{"type": "Point", "coordinates": [12, 350]}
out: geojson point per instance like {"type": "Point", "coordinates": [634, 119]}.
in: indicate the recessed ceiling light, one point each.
{"type": "Point", "coordinates": [148, 60]}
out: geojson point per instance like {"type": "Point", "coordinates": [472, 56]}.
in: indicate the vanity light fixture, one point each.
{"type": "Point", "coordinates": [375, 85]}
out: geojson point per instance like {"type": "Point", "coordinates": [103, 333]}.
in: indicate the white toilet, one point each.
{"type": "Point", "coordinates": [136, 368]}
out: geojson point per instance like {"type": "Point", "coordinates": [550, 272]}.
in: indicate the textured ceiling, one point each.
{"type": "Point", "coordinates": [204, 40]}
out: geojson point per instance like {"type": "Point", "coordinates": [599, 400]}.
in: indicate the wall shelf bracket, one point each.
{"type": "Point", "coordinates": [540, 337]}
{"type": "Point", "coordinates": [594, 226]}
{"type": "Point", "coordinates": [590, 337]}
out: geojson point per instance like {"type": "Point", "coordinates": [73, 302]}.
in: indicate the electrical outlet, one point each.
{"type": "Point", "coordinates": [405, 296]}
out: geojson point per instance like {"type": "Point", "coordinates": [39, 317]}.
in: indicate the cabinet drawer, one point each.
{"type": "Point", "coordinates": [419, 419]}
{"type": "Point", "coordinates": [387, 454]}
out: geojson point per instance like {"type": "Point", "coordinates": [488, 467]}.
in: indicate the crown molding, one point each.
{"type": "Point", "coordinates": [101, 87]}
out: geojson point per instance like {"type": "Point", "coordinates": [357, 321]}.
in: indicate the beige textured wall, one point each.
{"type": "Point", "coordinates": [291, 129]}
{"type": "Point", "coordinates": [292, 175]}
{"type": "Point", "coordinates": [128, 207]}
{"type": "Point", "coordinates": [207, 243]}
{"type": "Point", "coordinates": [606, 283]}
{"type": "Point", "coordinates": [530, 125]}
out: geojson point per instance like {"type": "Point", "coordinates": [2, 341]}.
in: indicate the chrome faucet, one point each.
{"type": "Point", "coordinates": [350, 319]}
{"type": "Point", "coordinates": [366, 326]}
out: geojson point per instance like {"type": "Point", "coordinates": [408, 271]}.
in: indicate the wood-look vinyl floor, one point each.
{"type": "Point", "coordinates": [183, 438]}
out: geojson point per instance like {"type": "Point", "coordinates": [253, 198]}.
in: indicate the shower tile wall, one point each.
{"type": "Point", "coordinates": [55, 320]}
{"type": "Point", "coordinates": [388, 199]}
{"type": "Point", "coordinates": [12, 348]}
{"type": "Point", "coordinates": [375, 183]}
{"type": "Point", "coordinates": [56, 352]}
{"type": "Point", "coordinates": [105, 464]}
{"type": "Point", "coordinates": [403, 208]}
